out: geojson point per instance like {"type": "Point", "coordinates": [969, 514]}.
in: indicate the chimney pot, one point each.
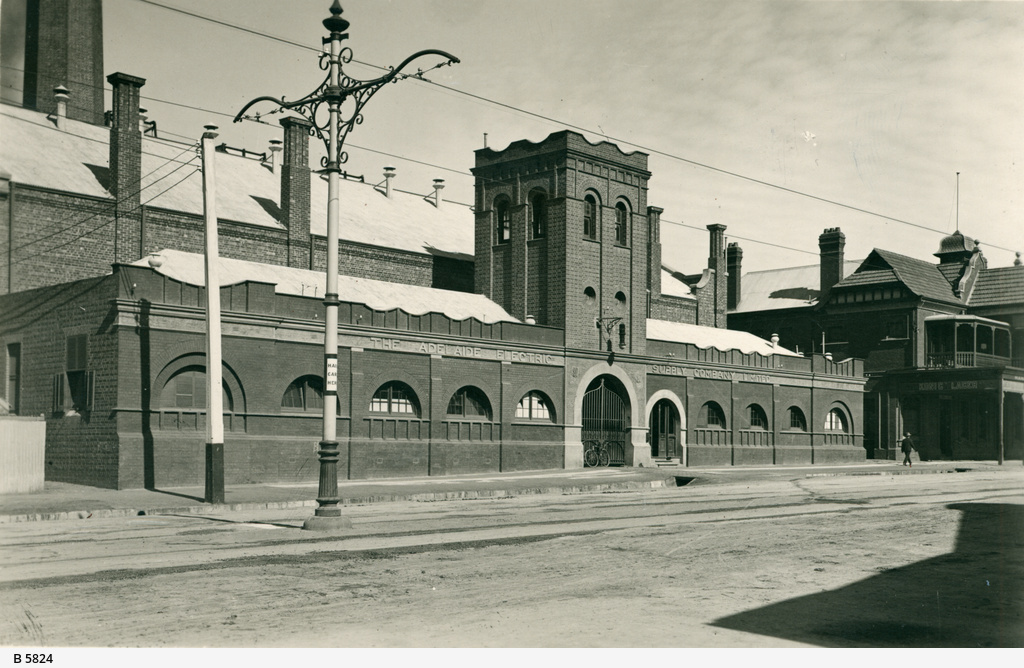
{"type": "Point", "coordinates": [209, 131]}
{"type": "Point", "coordinates": [831, 244]}
{"type": "Point", "coordinates": [389, 173]}
{"type": "Point", "coordinates": [276, 146]}
{"type": "Point", "coordinates": [61, 95]}
{"type": "Point", "coordinates": [438, 187]}
{"type": "Point", "coordinates": [775, 340]}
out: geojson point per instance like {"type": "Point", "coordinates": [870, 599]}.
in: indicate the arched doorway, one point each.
{"type": "Point", "coordinates": [665, 431]}
{"type": "Point", "coordinates": [606, 420]}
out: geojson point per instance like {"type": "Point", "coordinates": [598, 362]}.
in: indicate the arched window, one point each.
{"type": "Point", "coordinates": [187, 389]}
{"type": "Point", "coordinates": [304, 394]}
{"type": "Point", "coordinates": [836, 421]}
{"type": "Point", "coordinates": [469, 403]}
{"type": "Point", "coordinates": [395, 398]}
{"type": "Point", "coordinates": [590, 217]}
{"type": "Point", "coordinates": [711, 416]}
{"type": "Point", "coordinates": [503, 228]}
{"type": "Point", "coordinates": [796, 419]}
{"type": "Point", "coordinates": [621, 224]}
{"type": "Point", "coordinates": [756, 416]}
{"type": "Point", "coordinates": [590, 295]}
{"type": "Point", "coordinates": [620, 303]}
{"type": "Point", "coordinates": [535, 406]}
{"type": "Point", "coordinates": [539, 213]}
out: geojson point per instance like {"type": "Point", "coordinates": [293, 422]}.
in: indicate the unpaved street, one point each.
{"type": "Point", "coordinates": [922, 560]}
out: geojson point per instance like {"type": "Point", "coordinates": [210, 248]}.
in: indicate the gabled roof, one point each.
{"type": "Point", "coordinates": [378, 295]}
{"type": "Point", "coordinates": [922, 278]}
{"type": "Point", "coordinates": [789, 287]}
{"type": "Point", "coordinates": [34, 152]}
{"type": "Point", "coordinates": [995, 287]}
{"type": "Point", "coordinates": [712, 337]}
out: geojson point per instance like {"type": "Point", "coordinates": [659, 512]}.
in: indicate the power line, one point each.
{"type": "Point", "coordinates": [110, 207]}
{"type": "Point", "coordinates": [100, 227]}
{"type": "Point", "coordinates": [549, 119]}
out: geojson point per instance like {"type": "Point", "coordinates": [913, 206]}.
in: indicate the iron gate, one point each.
{"type": "Point", "coordinates": [606, 421]}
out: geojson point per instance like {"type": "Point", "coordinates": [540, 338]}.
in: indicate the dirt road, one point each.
{"type": "Point", "coordinates": [881, 561]}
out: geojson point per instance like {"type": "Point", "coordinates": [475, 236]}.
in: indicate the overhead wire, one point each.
{"type": "Point", "coordinates": [549, 119]}
{"type": "Point", "coordinates": [110, 207]}
{"type": "Point", "coordinates": [109, 222]}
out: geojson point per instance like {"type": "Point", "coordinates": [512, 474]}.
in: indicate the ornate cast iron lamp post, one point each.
{"type": "Point", "coordinates": [336, 90]}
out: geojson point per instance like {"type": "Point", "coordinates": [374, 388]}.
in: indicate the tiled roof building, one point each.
{"type": "Point", "coordinates": [943, 344]}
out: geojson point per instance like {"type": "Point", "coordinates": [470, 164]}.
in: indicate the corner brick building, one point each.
{"type": "Point", "coordinates": [510, 336]}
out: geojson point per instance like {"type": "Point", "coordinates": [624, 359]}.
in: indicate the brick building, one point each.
{"type": "Point", "coordinates": [509, 336]}
{"type": "Point", "coordinates": [941, 342]}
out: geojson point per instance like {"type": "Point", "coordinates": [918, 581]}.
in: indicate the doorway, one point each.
{"type": "Point", "coordinates": [606, 418]}
{"type": "Point", "coordinates": [665, 430]}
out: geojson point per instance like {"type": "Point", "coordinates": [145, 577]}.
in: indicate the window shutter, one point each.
{"type": "Point", "coordinates": [90, 390]}
{"type": "Point", "coordinates": [58, 393]}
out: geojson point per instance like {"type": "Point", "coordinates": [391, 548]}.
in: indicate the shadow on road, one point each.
{"type": "Point", "coordinates": [179, 494]}
{"type": "Point", "coordinates": [971, 597]}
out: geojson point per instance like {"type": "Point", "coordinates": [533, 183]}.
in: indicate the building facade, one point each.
{"type": "Point", "coordinates": [941, 342]}
{"type": "Point", "coordinates": [514, 335]}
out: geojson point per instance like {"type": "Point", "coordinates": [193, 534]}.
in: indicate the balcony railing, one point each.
{"type": "Point", "coordinates": [960, 360]}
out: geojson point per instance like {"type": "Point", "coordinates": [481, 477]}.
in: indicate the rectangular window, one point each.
{"type": "Point", "coordinates": [73, 390]}
{"type": "Point", "coordinates": [896, 328]}
{"type": "Point", "coordinates": [13, 390]}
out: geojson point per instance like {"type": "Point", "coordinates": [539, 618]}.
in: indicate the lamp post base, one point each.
{"type": "Point", "coordinates": [327, 523]}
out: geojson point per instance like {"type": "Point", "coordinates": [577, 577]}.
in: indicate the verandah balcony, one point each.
{"type": "Point", "coordinates": [965, 341]}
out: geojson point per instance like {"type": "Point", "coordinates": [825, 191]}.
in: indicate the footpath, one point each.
{"type": "Point", "coordinates": [65, 501]}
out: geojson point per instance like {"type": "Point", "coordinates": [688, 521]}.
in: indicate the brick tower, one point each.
{"type": "Point", "coordinates": [562, 235]}
{"type": "Point", "coordinates": [64, 47]}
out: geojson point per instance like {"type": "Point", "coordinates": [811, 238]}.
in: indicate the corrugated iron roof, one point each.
{"type": "Point", "coordinates": [789, 287]}
{"type": "Point", "coordinates": [712, 337]}
{"type": "Point", "coordinates": [34, 152]}
{"type": "Point", "coordinates": [670, 285]}
{"type": "Point", "coordinates": [378, 295]}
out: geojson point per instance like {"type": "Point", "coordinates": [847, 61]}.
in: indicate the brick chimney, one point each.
{"type": "Point", "coordinates": [64, 46]}
{"type": "Point", "coordinates": [295, 190]}
{"type": "Point", "coordinates": [717, 263]}
{"type": "Point", "coordinates": [734, 264]}
{"type": "Point", "coordinates": [126, 166]}
{"type": "Point", "coordinates": [654, 251]}
{"type": "Point", "coordinates": [831, 244]}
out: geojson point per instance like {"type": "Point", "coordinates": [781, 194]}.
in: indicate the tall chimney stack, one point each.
{"type": "Point", "coordinates": [734, 264]}
{"type": "Point", "coordinates": [831, 244]}
{"type": "Point", "coordinates": [126, 166]}
{"type": "Point", "coordinates": [295, 190]}
{"type": "Point", "coordinates": [654, 251]}
{"type": "Point", "coordinates": [716, 262]}
{"type": "Point", "coordinates": [64, 46]}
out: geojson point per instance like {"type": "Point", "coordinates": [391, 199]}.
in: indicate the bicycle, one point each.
{"type": "Point", "coordinates": [595, 453]}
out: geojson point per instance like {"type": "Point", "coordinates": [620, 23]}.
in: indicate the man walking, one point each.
{"type": "Point", "coordinates": [906, 445]}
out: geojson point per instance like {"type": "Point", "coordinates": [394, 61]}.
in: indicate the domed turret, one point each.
{"type": "Point", "coordinates": [956, 248]}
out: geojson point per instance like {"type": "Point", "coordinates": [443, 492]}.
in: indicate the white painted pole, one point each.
{"type": "Point", "coordinates": [214, 392]}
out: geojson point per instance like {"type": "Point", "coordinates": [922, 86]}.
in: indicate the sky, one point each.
{"type": "Point", "coordinates": [776, 119]}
